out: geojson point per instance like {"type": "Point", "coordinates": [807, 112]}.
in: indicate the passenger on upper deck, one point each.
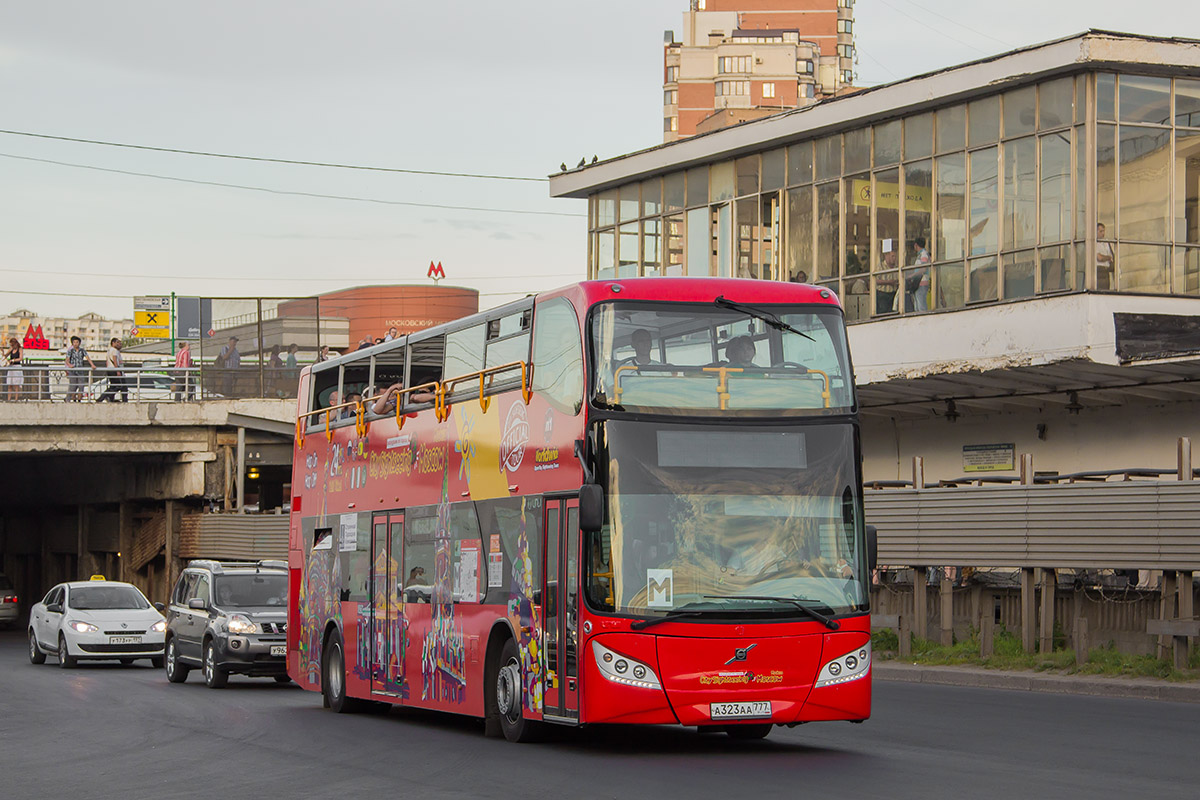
{"type": "Point", "coordinates": [386, 402]}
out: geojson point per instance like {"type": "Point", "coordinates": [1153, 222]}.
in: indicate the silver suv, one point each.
{"type": "Point", "coordinates": [228, 617]}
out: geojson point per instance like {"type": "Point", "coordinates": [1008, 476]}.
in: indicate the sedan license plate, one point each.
{"type": "Point", "coordinates": [279, 649]}
{"type": "Point", "coordinates": [759, 709]}
{"type": "Point", "coordinates": [124, 640]}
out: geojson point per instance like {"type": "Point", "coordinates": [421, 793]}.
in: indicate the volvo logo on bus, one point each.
{"type": "Point", "coordinates": [741, 653]}
{"type": "Point", "coordinates": [515, 438]}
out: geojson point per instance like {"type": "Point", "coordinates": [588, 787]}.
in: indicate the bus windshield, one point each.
{"type": "Point", "coordinates": [720, 359]}
{"type": "Point", "coordinates": [699, 515]}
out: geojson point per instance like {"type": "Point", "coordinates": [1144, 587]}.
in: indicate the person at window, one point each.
{"type": "Point", "coordinates": [642, 345]}
{"type": "Point", "coordinates": [386, 402]}
{"type": "Point", "coordinates": [916, 284]}
{"type": "Point", "coordinates": [77, 357]}
{"type": "Point", "coordinates": [740, 352]}
{"type": "Point", "coordinates": [1105, 260]}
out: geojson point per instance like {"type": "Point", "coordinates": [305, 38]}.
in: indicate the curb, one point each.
{"type": "Point", "coordinates": [1137, 688]}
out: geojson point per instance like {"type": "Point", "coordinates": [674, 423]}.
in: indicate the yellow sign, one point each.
{"type": "Point", "coordinates": [916, 198]}
{"type": "Point", "coordinates": [97, 578]}
{"type": "Point", "coordinates": [152, 319]}
{"type": "Point", "coordinates": [150, 333]}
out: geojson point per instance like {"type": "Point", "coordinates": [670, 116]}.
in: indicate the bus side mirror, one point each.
{"type": "Point", "coordinates": [872, 548]}
{"type": "Point", "coordinates": [591, 507]}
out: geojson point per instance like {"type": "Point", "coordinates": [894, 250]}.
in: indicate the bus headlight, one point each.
{"type": "Point", "coordinates": [849, 667]}
{"type": "Point", "coordinates": [623, 669]}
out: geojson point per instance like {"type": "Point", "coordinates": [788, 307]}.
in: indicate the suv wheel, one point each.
{"type": "Point", "coordinates": [36, 656]}
{"type": "Point", "coordinates": [65, 659]}
{"type": "Point", "coordinates": [333, 682]}
{"type": "Point", "coordinates": [177, 672]}
{"type": "Point", "coordinates": [214, 676]}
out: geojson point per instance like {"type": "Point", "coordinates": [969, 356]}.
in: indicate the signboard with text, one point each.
{"type": "Point", "coordinates": [989, 457]}
{"type": "Point", "coordinates": [151, 317]}
{"type": "Point", "coordinates": [193, 318]}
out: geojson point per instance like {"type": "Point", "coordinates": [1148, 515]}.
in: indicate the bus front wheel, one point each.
{"type": "Point", "coordinates": [508, 698]}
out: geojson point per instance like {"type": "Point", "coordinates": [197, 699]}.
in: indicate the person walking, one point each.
{"type": "Point", "coordinates": [114, 362]}
{"type": "Point", "coordinates": [183, 386]}
{"type": "Point", "coordinates": [77, 356]}
{"type": "Point", "coordinates": [14, 377]}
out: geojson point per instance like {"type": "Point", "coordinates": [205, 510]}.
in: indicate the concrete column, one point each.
{"type": "Point", "coordinates": [125, 540]}
{"type": "Point", "coordinates": [228, 460]}
{"type": "Point", "coordinates": [169, 570]}
{"type": "Point", "coordinates": [1185, 459]}
{"type": "Point", "coordinates": [83, 565]}
{"type": "Point", "coordinates": [241, 470]}
{"type": "Point", "coordinates": [1027, 469]}
{"type": "Point", "coordinates": [1080, 637]}
{"type": "Point", "coordinates": [920, 604]}
{"type": "Point", "coordinates": [1047, 615]}
{"type": "Point", "coordinates": [918, 472]}
{"type": "Point", "coordinates": [1184, 589]}
{"type": "Point", "coordinates": [946, 596]}
{"type": "Point", "coordinates": [1028, 611]}
{"type": "Point", "coordinates": [1166, 611]}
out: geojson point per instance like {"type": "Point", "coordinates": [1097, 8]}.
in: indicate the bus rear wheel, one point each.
{"type": "Point", "coordinates": [333, 683]}
{"type": "Point", "coordinates": [748, 732]}
{"type": "Point", "coordinates": [508, 698]}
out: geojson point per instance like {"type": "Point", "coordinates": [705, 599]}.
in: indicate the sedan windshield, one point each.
{"type": "Point", "coordinates": [720, 359]}
{"type": "Point", "coordinates": [98, 598]}
{"type": "Point", "coordinates": [704, 519]}
{"type": "Point", "coordinates": [251, 591]}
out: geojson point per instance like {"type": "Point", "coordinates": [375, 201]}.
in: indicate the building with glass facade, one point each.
{"type": "Point", "coordinates": [1015, 219]}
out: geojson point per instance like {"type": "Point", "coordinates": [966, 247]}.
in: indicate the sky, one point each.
{"type": "Point", "coordinates": [510, 89]}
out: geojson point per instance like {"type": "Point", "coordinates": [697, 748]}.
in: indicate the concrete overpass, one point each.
{"type": "Point", "coordinates": [128, 489]}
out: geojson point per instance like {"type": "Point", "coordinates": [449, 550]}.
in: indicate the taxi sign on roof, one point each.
{"type": "Point", "coordinates": [97, 578]}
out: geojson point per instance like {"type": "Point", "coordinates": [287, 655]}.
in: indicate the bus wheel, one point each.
{"type": "Point", "coordinates": [333, 682]}
{"type": "Point", "coordinates": [509, 698]}
{"type": "Point", "coordinates": [748, 732]}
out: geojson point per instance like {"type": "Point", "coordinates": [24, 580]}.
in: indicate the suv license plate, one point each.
{"type": "Point", "coordinates": [124, 640]}
{"type": "Point", "coordinates": [760, 709]}
{"type": "Point", "coordinates": [279, 649]}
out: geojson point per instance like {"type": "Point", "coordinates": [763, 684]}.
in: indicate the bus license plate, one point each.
{"type": "Point", "coordinates": [760, 709]}
{"type": "Point", "coordinates": [279, 649]}
{"type": "Point", "coordinates": [124, 640]}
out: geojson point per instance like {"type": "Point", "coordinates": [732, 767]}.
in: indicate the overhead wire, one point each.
{"type": "Point", "coordinates": [934, 29]}
{"type": "Point", "coordinates": [263, 159]}
{"type": "Point", "coordinates": [953, 21]}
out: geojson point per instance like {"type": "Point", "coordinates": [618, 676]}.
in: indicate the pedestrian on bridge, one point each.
{"type": "Point", "coordinates": [183, 385]}
{"type": "Point", "coordinates": [14, 378]}
{"type": "Point", "coordinates": [115, 363]}
{"type": "Point", "coordinates": [77, 357]}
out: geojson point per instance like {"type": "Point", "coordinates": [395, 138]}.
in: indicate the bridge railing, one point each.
{"type": "Point", "coordinates": [158, 384]}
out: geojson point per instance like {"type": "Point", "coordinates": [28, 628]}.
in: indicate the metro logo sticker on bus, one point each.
{"type": "Point", "coordinates": [660, 588]}
{"type": "Point", "coordinates": [514, 438]}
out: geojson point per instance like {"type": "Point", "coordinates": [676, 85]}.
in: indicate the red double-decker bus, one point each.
{"type": "Point", "coordinates": [633, 501]}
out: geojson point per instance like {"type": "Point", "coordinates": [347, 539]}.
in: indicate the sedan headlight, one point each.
{"type": "Point", "coordinates": [159, 627]}
{"type": "Point", "coordinates": [83, 627]}
{"type": "Point", "coordinates": [240, 623]}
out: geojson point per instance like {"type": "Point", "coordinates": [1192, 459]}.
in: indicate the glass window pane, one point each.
{"type": "Point", "coordinates": [1020, 194]}
{"type": "Point", "coordinates": [858, 223]}
{"type": "Point", "coordinates": [1056, 267]}
{"type": "Point", "coordinates": [1145, 99]}
{"type": "Point", "coordinates": [606, 209]}
{"type": "Point", "coordinates": [918, 217]}
{"type": "Point", "coordinates": [951, 208]}
{"type": "Point", "coordinates": [720, 182]}
{"type": "Point", "coordinates": [828, 209]}
{"type": "Point", "coordinates": [772, 170]}
{"type": "Point", "coordinates": [629, 206]}
{"type": "Point", "coordinates": [699, 243]}
{"type": "Point", "coordinates": [1081, 192]}
{"type": "Point", "coordinates": [673, 189]}
{"type": "Point", "coordinates": [983, 279]}
{"type": "Point", "coordinates": [770, 222]}
{"type": "Point", "coordinates": [627, 263]}
{"type": "Point", "coordinates": [1106, 181]}
{"type": "Point", "coordinates": [800, 163]}
{"type": "Point", "coordinates": [948, 285]}
{"type": "Point", "coordinates": [918, 137]}
{"type": "Point", "coordinates": [1019, 112]}
{"type": "Point", "coordinates": [1055, 101]}
{"type": "Point", "coordinates": [697, 187]}
{"type": "Point", "coordinates": [799, 264]}
{"type": "Point", "coordinates": [887, 143]}
{"type": "Point", "coordinates": [675, 232]}
{"type": "Point", "coordinates": [886, 193]}
{"type": "Point", "coordinates": [747, 175]}
{"type": "Point", "coordinates": [747, 263]}
{"type": "Point", "coordinates": [1142, 268]}
{"type": "Point", "coordinates": [951, 129]}
{"type": "Point", "coordinates": [1018, 274]}
{"type": "Point", "coordinates": [887, 300]}
{"type": "Point", "coordinates": [857, 144]}
{"type": "Point", "coordinates": [652, 197]}
{"type": "Point", "coordinates": [984, 227]}
{"type": "Point", "coordinates": [1187, 103]}
{"type": "Point", "coordinates": [1145, 190]}
{"type": "Point", "coordinates": [1187, 270]}
{"type": "Point", "coordinates": [1056, 186]}
{"type": "Point", "coordinates": [983, 118]}
{"type": "Point", "coordinates": [1081, 82]}
{"type": "Point", "coordinates": [1106, 96]}
{"type": "Point", "coordinates": [606, 254]}
{"type": "Point", "coordinates": [651, 237]}
{"type": "Point", "coordinates": [722, 250]}
{"type": "Point", "coordinates": [829, 157]}
{"type": "Point", "coordinates": [1187, 186]}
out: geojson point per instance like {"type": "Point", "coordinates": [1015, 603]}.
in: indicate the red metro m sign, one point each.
{"type": "Point", "coordinates": [436, 272]}
{"type": "Point", "coordinates": [35, 339]}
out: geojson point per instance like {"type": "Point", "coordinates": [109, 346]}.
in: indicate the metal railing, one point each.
{"type": "Point", "coordinates": [159, 384]}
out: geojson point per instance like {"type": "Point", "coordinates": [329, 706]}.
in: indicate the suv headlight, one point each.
{"type": "Point", "coordinates": [83, 627]}
{"type": "Point", "coordinates": [623, 669]}
{"type": "Point", "coordinates": [159, 627]}
{"type": "Point", "coordinates": [849, 667]}
{"type": "Point", "coordinates": [240, 623]}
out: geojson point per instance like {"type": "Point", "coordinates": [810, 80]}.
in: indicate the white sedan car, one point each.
{"type": "Point", "coordinates": [95, 619]}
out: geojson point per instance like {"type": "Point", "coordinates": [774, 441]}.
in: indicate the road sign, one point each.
{"type": "Point", "coordinates": [152, 303]}
{"type": "Point", "coordinates": [152, 333]}
{"type": "Point", "coordinates": [193, 316]}
{"type": "Point", "coordinates": [153, 319]}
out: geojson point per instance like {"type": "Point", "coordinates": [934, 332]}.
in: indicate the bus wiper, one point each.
{"type": "Point", "coordinates": [642, 624]}
{"type": "Point", "coordinates": [798, 602]}
{"type": "Point", "coordinates": [758, 313]}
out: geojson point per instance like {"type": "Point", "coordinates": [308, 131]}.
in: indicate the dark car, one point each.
{"type": "Point", "coordinates": [228, 618]}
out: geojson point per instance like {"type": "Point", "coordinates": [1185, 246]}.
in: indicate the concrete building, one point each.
{"type": "Point", "coordinates": [1016, 242]}
{"type": "Point", "coordinates": [95, 330]}
{"type": "Point", "coordinates": [743, 59]}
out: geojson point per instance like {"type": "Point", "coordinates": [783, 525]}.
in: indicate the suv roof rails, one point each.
{"type": "Point", "coordinates": [219, 567]}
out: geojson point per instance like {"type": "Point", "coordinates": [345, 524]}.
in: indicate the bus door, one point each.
{"type": "Point", "coordinates": [387, 538]}
{"type": "Point", "coordinates": [560, 689]}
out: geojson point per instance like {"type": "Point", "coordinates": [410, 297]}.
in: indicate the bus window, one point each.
{"type": "Point", "coordinates": [425, 361]}
{"type": "Point", "coordinates": [356, 377]}
{"type": "Point", "coordinates": [356, 563]}
{"type": "Point", "coordinates": [558, 355]}
{"type": "Point", "coordinates": [464, 352]}
{"type": "Point", "coordinates": [420, 533]}
{"type": "Point", "coordinates": [512, 528]}
{"type": "Point", "coordinates": [508, 339]}
{"type": "Point", "coordinates": [466, 562]}
{"type": "Point", "coordinates": [388, 371]}
{"type": "Point", "coordinates": [324, 387]}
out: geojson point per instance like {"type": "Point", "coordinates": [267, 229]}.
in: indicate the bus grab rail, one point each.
{"type": "Point", "coordinates": [722, 372]}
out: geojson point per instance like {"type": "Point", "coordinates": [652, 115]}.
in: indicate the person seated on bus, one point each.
{"type": "Point", "coordinates": [334, 399]}
{"type": "Point", "coordinates": [386, 402]}
{"type": "Point", "coordinates": [349, 411]}
{"type": "Point", "coordinates": [740, 352]}
{"type": "Point", "coordinates": [642, 344]}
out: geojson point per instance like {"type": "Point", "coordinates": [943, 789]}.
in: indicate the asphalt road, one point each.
{"type": "Point", "coordinates": [108, 731]}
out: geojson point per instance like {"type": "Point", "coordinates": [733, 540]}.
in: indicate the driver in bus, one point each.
{"type": "Point", "coordinates": [642, 344]}
{"type": "Point", "coordinates": [740, 352]}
